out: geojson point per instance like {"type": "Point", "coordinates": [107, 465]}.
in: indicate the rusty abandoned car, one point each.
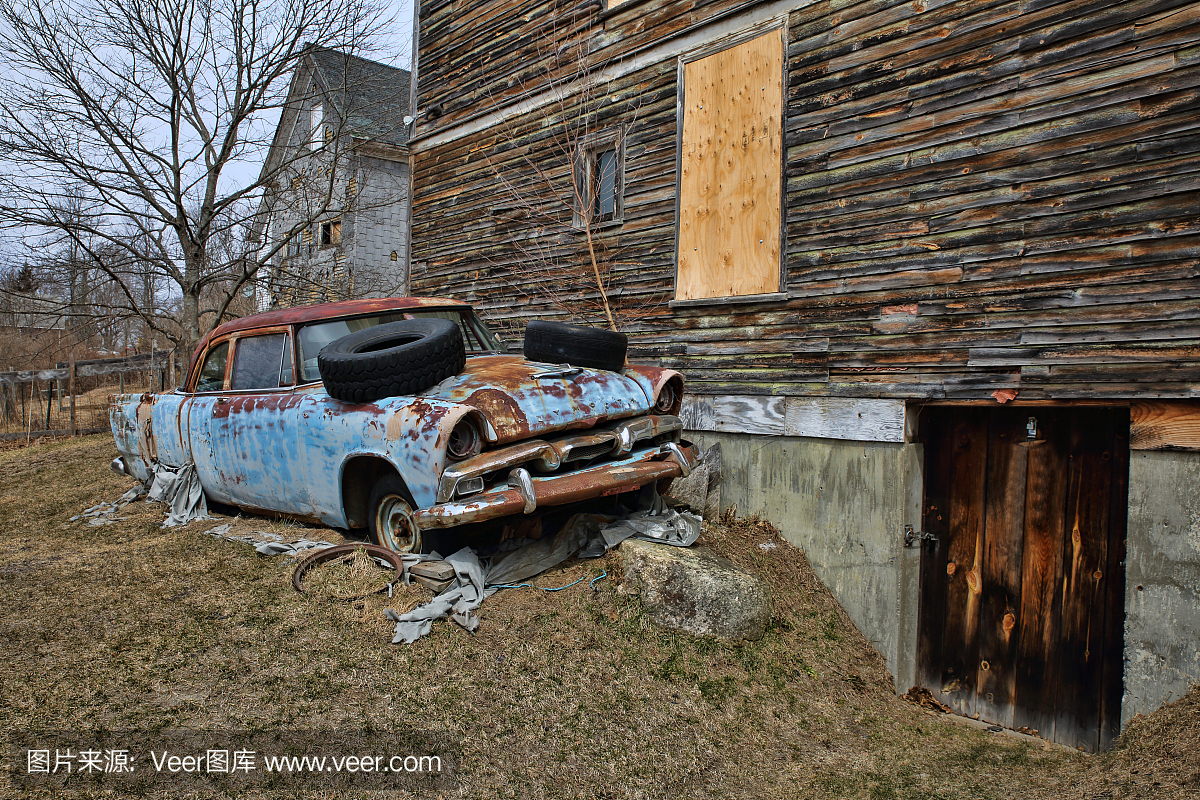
{"type": "Point", "coordinates": [406, 416]}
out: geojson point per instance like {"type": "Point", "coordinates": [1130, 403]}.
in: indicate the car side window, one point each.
{"type": "Point", "coordinates": [258, 362]}
{"type": "Point", "coordinates": [286, 378]}
{"type": "Point", "coordinates": [212, 374]}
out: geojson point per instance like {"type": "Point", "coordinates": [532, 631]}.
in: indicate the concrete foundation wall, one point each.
{"type": "Point", "coordinates": [845, 505]}
{"type": "Point", "coordinates": [1162, 580]}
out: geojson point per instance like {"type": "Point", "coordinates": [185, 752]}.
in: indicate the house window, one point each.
{"type": "Point", "coordinates": [317, 127]}
{"type": "Point", "coordinates": [600, 179]}
{"type": "Point", "coordinates": [730, 171]}
{"type": "Point", "coordinates": [293, 245]}
{"type": "Point", "coordinates": [331, 232]}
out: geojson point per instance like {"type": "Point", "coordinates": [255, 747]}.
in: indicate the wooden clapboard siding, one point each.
{"type": "Point", "coordinates": [478, 55]}
{"type": "Point", "coordinates": [978, 195]}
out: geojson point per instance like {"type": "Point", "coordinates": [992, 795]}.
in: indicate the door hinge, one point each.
{"type": "Point", "coordinates": [911, 536]}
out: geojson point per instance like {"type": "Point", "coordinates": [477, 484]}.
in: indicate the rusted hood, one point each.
{"type": "Point", "coordinates": [522, 399]}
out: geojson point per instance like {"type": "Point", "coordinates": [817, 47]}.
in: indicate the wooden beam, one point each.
{"type": "Point", "coordinates": [1164, 425]}
{"type": "Point", "coordinates": [844, 418]}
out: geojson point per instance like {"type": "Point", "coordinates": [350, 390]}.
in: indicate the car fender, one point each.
{"type": "Point", "coordinates": [652, 379]}
{"type": "Point", "coordinates": [408, 433]}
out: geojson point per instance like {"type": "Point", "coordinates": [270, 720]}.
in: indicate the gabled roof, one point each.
{"type": "Point", "coordinates": [373, 97]}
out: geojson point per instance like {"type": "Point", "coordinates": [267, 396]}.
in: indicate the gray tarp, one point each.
{"type": "Point", "coordinates": [588, 535]}
{"type": "Point", "coordinates": [181, 490]}
{"type": "Point", "coordinates": [104, 513]}
{"type": "Point", "coordinates": [268, 544]}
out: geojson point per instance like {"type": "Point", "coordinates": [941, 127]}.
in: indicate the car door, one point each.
{"type": "Point", "coordinates": [253, 453]}
{"type": "Point", "coordinates": [167, 415]}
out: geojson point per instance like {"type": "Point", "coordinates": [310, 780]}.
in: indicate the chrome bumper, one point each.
{"type": "Point", "coordinates": [548, 455]}
{"type": "Point", "coordinates": [526, 492]}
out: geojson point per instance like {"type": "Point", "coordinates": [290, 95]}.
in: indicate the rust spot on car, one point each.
{"type": "Point", "coordinates": [419, 419]}
{"type": "Point", "coordinates": [502, 411]}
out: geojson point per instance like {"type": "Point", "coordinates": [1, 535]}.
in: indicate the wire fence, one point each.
{"type": "Point", "coordinates": [72, 397]}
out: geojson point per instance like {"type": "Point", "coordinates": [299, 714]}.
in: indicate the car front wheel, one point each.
{"type": "Point", "coordinates": [392, 522]}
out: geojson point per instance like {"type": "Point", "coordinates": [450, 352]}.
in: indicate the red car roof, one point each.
{"type": "Point", "coordinates": [342, 308]}
{"type": "Point", "coordinates": [322, 311]}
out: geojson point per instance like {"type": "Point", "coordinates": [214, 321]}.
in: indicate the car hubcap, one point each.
{"type": "Point", "coordinates": [396, 526]}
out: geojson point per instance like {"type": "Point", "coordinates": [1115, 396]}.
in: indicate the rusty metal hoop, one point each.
{"type": "Point", "coordinates": [341, 551]}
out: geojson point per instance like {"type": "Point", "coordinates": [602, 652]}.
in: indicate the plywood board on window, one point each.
{"type": "Point", "coordinates": [729, 185]}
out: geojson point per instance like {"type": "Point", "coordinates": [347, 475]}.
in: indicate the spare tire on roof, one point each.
{"type": "Point", "coordinates": [577, 345]}
{"type": "Point", "coordinates": [396, 358]}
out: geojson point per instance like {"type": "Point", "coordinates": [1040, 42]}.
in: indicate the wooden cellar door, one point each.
{"type": "Point", "coordinates": [1022, 594]}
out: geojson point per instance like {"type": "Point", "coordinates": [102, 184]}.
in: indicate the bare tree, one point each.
{"type": "Point", "coordinates": [558, 177]}
{"type": "Point", "coordinates": [133, 124]}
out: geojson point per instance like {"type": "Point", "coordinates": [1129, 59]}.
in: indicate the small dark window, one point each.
{"type": "Point", "coordinates": [604, 193]}
{"type": "Point", "coordinates": [212, 374]}
{"type": "Point", "coordinates": [331, 232]}
{"type": "Point", "coordinates": [293, 245]}
{"type": "Point", "coordinates": [600, 177]}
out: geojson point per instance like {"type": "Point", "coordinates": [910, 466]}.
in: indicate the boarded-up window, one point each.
{"type": "Point", "coordinates": [730, 171]}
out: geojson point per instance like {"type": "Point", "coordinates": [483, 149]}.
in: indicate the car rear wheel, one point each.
{"type": "Point", "coordinates": [391, 520]}
{"type": "Point", "coordinates": [577, 345]}
{"type": "Point", "coordinates": [397, 358]}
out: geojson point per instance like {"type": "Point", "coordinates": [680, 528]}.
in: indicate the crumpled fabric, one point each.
{"type": "Point", "coordinates": [180, 489]}
{"type": "Point", "coordinates": [268, 544]}
{"type": "Point", "coordinates": [659, 523]}
{"type": "Point", "coordinates": [586, 535]}
{"type": "Point", "coordinates": [104, 513]}
{"type": "Point", "coordinates": [458, 602]}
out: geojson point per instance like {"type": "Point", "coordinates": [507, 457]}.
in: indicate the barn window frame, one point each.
{"type": "Point", "coordinates": [589, 155]}
{"type": "Point", "coordinates": [331, 232]}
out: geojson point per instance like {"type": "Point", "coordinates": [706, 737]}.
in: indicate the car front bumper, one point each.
{"type": "Point", "coordinates": [525, 493]}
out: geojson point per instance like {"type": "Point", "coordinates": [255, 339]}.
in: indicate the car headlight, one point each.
{"type": "Point", "coordinates": [465, 440]}
{"type": "Point", "coordinates": [667, 398]}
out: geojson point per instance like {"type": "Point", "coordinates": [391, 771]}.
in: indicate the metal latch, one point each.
{"type": "Point", "coordinates": [911, 536]}
{"type": "Point", "coordinates": [560, 372]}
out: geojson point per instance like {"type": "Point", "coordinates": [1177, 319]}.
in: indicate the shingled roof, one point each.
{"type": "Point", "coordinates": [371, 97]}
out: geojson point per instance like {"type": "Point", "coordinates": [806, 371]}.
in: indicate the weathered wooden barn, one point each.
{"type": "Point", "coordinates": [931, 269]}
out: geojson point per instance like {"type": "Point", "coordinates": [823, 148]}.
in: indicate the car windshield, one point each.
{"type": "Point", "coordinates": [476, 337]}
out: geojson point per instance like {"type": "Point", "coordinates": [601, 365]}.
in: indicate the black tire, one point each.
{"type": "Point", "coordinates": [397, 358]}
{"type": "Point", "coordinates": [579, 346]}
{"type": "Point", "coordinates": [391, 518]}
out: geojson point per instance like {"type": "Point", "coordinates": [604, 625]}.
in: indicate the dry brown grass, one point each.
{"type": "Point", "coordinates": [567, 694]}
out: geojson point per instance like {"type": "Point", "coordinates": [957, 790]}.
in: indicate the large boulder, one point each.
{"type": "Point", "coordinates": [695, 590]}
